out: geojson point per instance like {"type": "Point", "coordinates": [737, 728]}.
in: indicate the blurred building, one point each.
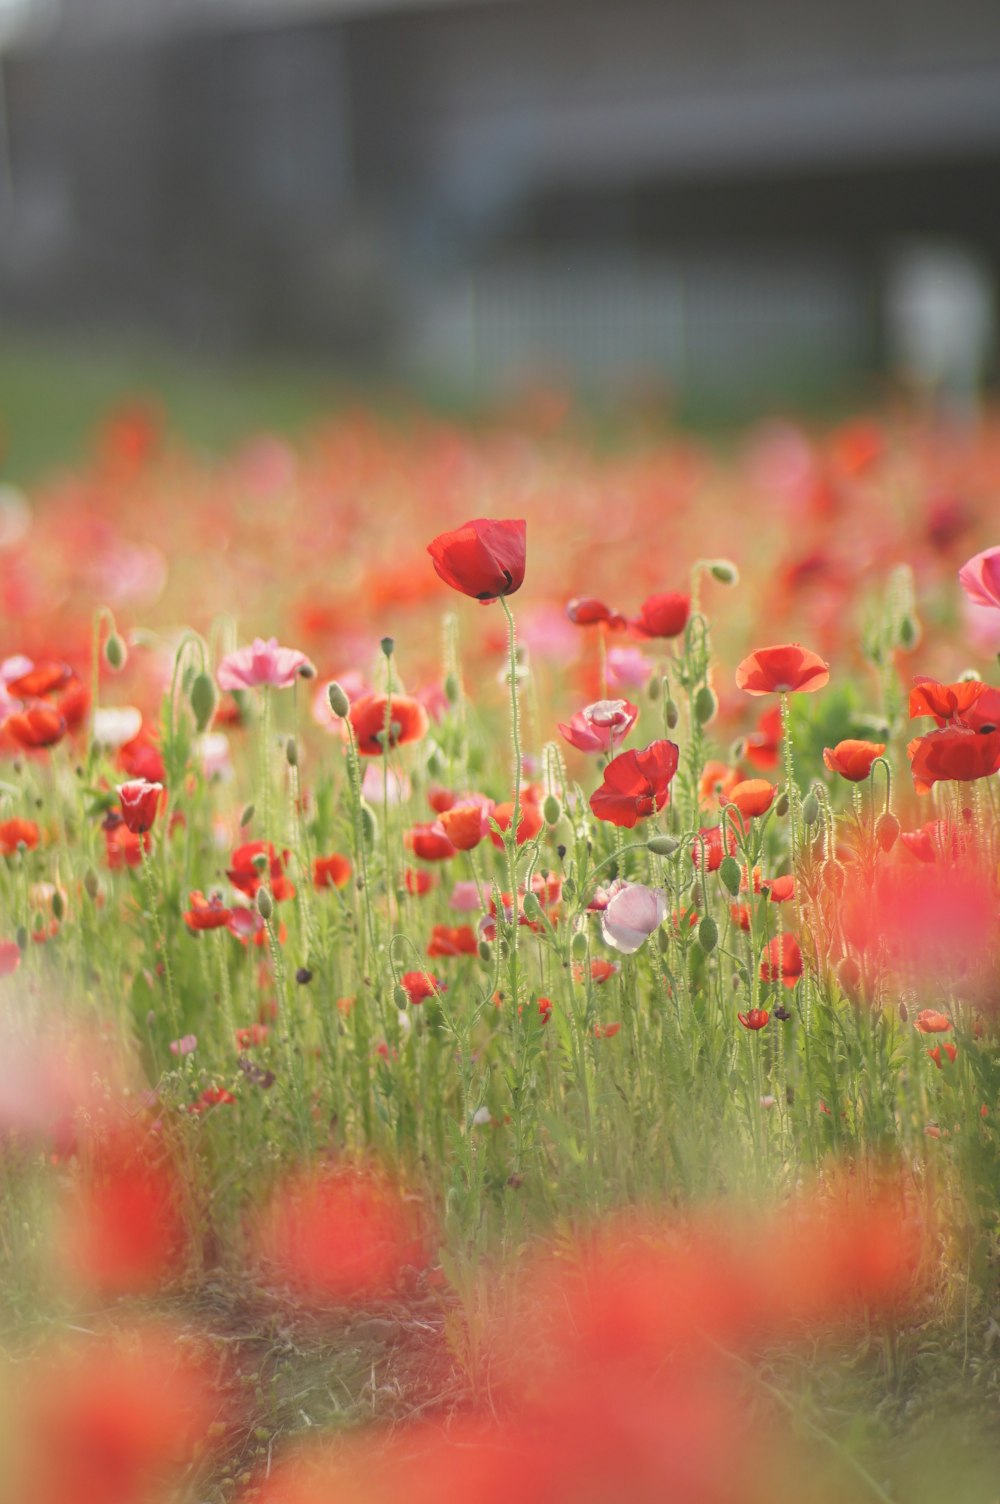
{"type": "Point", "coordinates": [713, 193]}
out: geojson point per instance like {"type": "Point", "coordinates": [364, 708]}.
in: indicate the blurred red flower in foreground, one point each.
{"type": "Point", "coordinates": [662, 615]}
{"type": "Point", "coordinates": [782, 961]}
{"type": "Point", "coordinates": [484, 558]}
{"type": "Point", "coordinates": [636, 784]}
{"type": "Point", "coordinates": [206, 913]}
{"type": "Point", "coordinates": [448, 941]}
{"type": "Point", "coordinates": [340, 1236]}
{"type": "Point", "coordinates": [787, 669]}
{"type": "Point", "coordinates": [332, 871]}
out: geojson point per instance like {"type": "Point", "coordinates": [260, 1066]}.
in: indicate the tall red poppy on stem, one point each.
{"type": "Point", "coordinates": [483, 558]}
{"type": "Point", "coordinates": [662, 615]}
{"type": "Point", "coordinates": [140, 802]}
{"type": "Point", "coordinates": [636, 784]}
{"type": "Point", "coordinates": [786, 669]}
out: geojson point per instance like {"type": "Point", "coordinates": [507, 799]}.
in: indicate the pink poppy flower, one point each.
{"type": "Point", "coordinates": [632, 914]}
{"type": "Point", "coordinates": [597, 727]}
{"type": "Point", "coordinates": [628, 668]}
{"type": "Point", "coordinates": [263, 663]}
{"type": "Point", "coordinates": [980, 578]}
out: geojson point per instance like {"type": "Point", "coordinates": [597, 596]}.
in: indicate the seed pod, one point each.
{"type": "Point", "coordinates": [579, 945]}
{"type": "Point", "coordinates": [531, 907]}
{"type": "Point", "coordinates": [306, 671]}
{"type": "Point", "coordinates": [115, 652]}
{"type": "Point", "coordinates": [810, 808]}
{"type": "Point", "coordinates": [339, 703]}
{"type": "Point", "coordinates": [265, 904]}
{"type": "Point", "coordinates": [731, 874]}
{"type": "Point", "coordinates": [552, 810]}
{"type": "Point", "coordinates": [708, 934]}
{"type": "Point", "coordinates": [705, 705]}
{"type": "Point", "coordinates": [887, 830]}
{"type": "Point", "coordinates": [725, 571]}
{"type": "Point", "coordinates": [247, 816]}
{"type": "Point", "coordinates": [91, 886]}
{"type": "Point", "coordinates": [203, 700]}
{"type": "Point", "coordinates": [452, 689]}
{"type": "Point", "coordinates": [292, 752]}
{"type": "Point", "coordinates": [662, 845]}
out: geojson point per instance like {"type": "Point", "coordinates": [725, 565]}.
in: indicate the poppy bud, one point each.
{"type": "Point", "coordinates": [579, 945]}
{"type": "Point", "coordinates": [661, 846]}
{"type": "Point", "coordinates": [21, 936]}
{"type": "Point", "coordinates": [388, 645]}
{"type": "Point", "coordinates": [834, 876]}
{"type": "Point", "coordinates": [400, 996]}
{"type": "Point", "coordinates": [203, 700]}
{"type": "Point", "coordinates": [369, 827]}
{"type": "Point", "coordinates": [115, 652]}
{"type": "Point", "coordinates": [260, 861]}
{"type": "Point", "coordinates": [552, 810]}
{"type": "Point", "coordinates": [909, 633]}
{"type": "Point", "coordinates": [91, 886]}
{"type": "Point", "coordinates": [485, 953]}
{"type": "Point", "coordinates": [452, 689]}
{"type": "Point", "coordinates": [708, 934]}
{"type": "Point", "coordinates": [781, 806]}
{"type": "Point", "coordinates": [247, 816]}
{"type": "Point", "coordinates": [531, 907]}
{"type": "Point", "coordinates": [339, 703]}
{"type": "Point", "coordinates": [303, 976]}
{"type": "Point", "coordinates": [672, 715]}
{"type": "Point", "coordinates": [58, 905]}
{"type": "Point", "coordinates": [887, 830]}
{"type": "Point", "coordinates": [655, 688]}
{"type": "Point", "coordinates": [569, 889]}
{"type": "Point", "coordinates": [292, 752]}
{"type": "Point", "coordinates": [725, 571]}
{"type": "Point", "coordinates": [731, 874]}
{"type": "Point", "coordinates": [705, 705]}
{"type": "Point", "coordinates": [265, 905]}
{"type": "Point", "coordinates": [849, 974]}
{"type": "Point", "coordinates": [435, 765]}
{"type": "Point", "coordinates": [810, 809]}
{"type": "Point", "coordinates": [904, 1012]}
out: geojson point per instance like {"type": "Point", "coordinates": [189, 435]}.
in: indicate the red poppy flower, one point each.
{"type": "Point", "coordinates": [782, 961]}
{"type": "Point", "coordinates": [459, 940]}
{"type": "Point", "coordinates": [122, 848]}
{"type": "Point", "coordinates": [597, 727]}
{"type": "Point", "coordinates": [420, 985]}
{"type": "Point", "coordinates": [940, 1050]}
{"type": "Point", "coordinates": [636, 784]}
{"type": "Point", "coordinates": [252, 1036]}
{"type": "Point", "coordinates": [530, 823]}
{"type": "Point", "coordinates": [418, 882]}
{"type": "Point", "coordinates": [123, 1228]}
{"type": "Point", "coordinates": [787, 669]}
{"type": "Point", "coordinates": [387, 720]}
{"type": "Point", "coordinates": [752, 797]}
{"type": "Point", "coordinates": [587, 611]}
{"type": "Point", "coordinates": [429, 843]}
{"type": "Point", "coordinates": [929, 1022]}
{"type": "Point", "coordinates": [599, 971]}
{"type": "Point", "coordinates": [483, 558]}
{"type": "Point", "coordinates": [779, 889]}
{"type": "Point", "coordinates": [247, 873]}
{"type": "Point", "coordinates": [463, 824]}
{"type": "Point", "coordinates": [440, 799]}
{"type": "Point", "coordinates": [662, 615]}
{"type": "Point", "coordinates": [15, 832]}
{"type": "Point", "coordinates": [754, 1018]}
{"type": "Point", "coordinates": [39, 726]}
{"type": "Point", "coordinates": [140, 803]}
{"type": "Point", "coordinates": [762, 746]}
{"type": "Point", "coordinates": [10, 957]}
{"type": "Point", "coordinates": [710, 836]}
{"type": "Point", "coordinates": [717, 781]}
{"type": "Point", "coordinates": [853, 759]}
{"type": "Point", "coordinates": [212, 1096]}
{"type": "Point", "coordinates": [953, 754]}
{"type": "Point", "coordinates": [945, 702]}
{"type": "Point", "coordinates": [41, 681]}
{"type": "Point", "coordinates": [331, 871]}
{"type": "Point", "coordinates": [206, 913]}
{"type": "Point", "coordinates": [606, 1031]}
{"type": "Point", "coordinates": [141, 758]}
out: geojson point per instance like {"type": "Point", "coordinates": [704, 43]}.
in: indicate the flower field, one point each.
{"type": "Point", "coordinates": [499, 963]}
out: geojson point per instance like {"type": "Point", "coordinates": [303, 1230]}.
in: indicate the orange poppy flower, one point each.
{"type": "Point", "coordinates": [463, 825]}
{"type": "Point", "coordinates": [447, 941]}
{"type": "Point", "coordinates": [754, 796]}
{"type": "Point", "coordinates": [387, 720]}
{"type": "Point", "coordinates": [853, 759]}
{"type": "Point", "coordinates": [39, 726]}
{"type": "Point", "coordinates": [929, 1022]}
{"type": "Point", "coordinates": [206, 913]}
{"type": "Point", "coordinates": [786, 669]}
{"type": "Point", "coordinates": [782, 961]}
{"type": "Point", "coordinates": [15, 832]}
{"type": "Point", "coordinates": [529, 825]}
{"type": "Point", "coordinates": [331, 871]}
